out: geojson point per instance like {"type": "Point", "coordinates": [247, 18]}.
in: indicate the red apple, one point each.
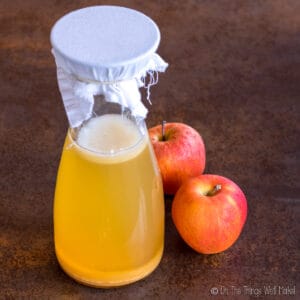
{"type": "Point", "coordinates": [209, 212]}
{"type": "Point", "coordinates": [180, 153]}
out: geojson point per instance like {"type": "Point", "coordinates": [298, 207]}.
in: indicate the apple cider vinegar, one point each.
{"type": "Point", "coordinates": [109, 207]}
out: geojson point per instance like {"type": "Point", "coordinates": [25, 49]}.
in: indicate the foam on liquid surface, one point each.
{"type": "Point", "coordinates": [109, 134]}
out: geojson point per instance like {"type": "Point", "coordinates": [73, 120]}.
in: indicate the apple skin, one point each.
{"type": "Point", "coordinates": [209, 224]}
{"type": "Point", "coordinates": [180, 155]}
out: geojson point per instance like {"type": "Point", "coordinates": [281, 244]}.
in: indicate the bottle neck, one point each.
{"type": "Point", "coordinates": [79, 97]}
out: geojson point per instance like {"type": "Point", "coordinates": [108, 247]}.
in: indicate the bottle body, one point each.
{"type": "Point", "coordinates": [109, 209]}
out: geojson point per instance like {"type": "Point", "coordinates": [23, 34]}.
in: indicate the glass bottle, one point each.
{"type": "Point", "coordinates": [108, 206]}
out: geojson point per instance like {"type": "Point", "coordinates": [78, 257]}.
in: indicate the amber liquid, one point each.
{"type": "Point", "coordinates": [109, 208]}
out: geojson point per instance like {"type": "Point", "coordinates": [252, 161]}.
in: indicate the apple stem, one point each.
{"type": "Point", "coordinates": [163, 130]}
{"type": "Point", "coordinates": [216, 188]}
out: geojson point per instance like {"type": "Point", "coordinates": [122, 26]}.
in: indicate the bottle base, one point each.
{"type": "Point", "coordinates": [110, 279]}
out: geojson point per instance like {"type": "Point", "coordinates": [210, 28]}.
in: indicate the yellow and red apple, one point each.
{"type": "Point", "coordinates": [180, 153]}
{"type": "Point", "coordinates": [209, 212]}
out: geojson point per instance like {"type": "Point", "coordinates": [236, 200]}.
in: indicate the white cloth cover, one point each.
{"type": "Point", "coordinates": [105, 50]}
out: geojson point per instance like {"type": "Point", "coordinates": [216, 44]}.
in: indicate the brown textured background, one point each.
{"type": "Point", "coordinates": [234, 75]}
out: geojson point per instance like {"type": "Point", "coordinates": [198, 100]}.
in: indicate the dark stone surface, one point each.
{"type": "Point", "coordinates": [234, 75]}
